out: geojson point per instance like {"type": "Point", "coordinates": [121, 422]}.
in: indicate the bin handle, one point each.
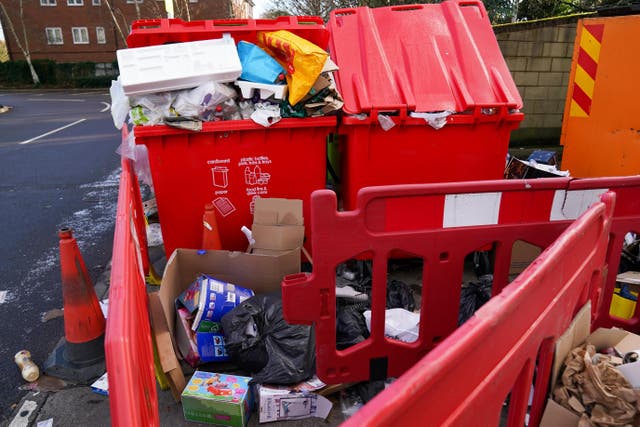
{"type": "Point", "coordinates": [407, 7]}
{"type": "Point", "coordinates": [344, 12]}
{"type": "Point", "coordinates": [308, 20]}
{"type": "Point", "coordinates": [145, 24]}
{"type": "Point", "coordinates": [230, 22]}
{"type": "Point", "coordinates": [468, 3]}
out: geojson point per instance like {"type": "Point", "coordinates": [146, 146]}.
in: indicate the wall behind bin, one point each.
{"type": "Point", "coordinates": [538, 54]}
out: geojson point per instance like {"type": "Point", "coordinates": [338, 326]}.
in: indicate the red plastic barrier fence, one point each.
{"type": "Point", "coordinates": [466, 379]}
{"type": "Point", "coordinates": [626, 218]}
{"type": "Point", "coordinates": [128, 349]}
{"type": "Point", "coordinates": [441, 224]}
{"type": "Point", "coordinates": [538, 211]}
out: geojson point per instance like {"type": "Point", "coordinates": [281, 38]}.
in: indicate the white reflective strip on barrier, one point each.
{"type": "Point", "coordinates": [464, 210]}
{"type": "Point", "coordinates": [572, 204]}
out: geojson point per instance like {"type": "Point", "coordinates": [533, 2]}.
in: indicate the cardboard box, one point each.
{"type": "Point", "coordinates": [278, 225]}
{"type": "Point", "coordinates": [556, 415]}
{"type": "Point", "coordinates": [185, 338]}
{"type": "Point", "coordinates": [522, 254]}
{"type": "Point", "coordinates": [211, 347]}
{"type": "Point", "coordinates": [164, 343]}
{"type": "Point", "coordinates": [260, 273]}
{"type": "Point", "coordinates": [279, 403]}
{"type": "Point", "coordinates": [630, 278]}
{"type": "Point", "coordinates": [218, 398]}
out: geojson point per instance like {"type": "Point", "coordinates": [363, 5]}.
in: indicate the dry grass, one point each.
{"type": "Point", "coordinates": [4, 55]}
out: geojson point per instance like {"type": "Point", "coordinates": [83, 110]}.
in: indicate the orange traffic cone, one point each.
{"type": "Point", "coordinates": [79, 356]}
{"type": "Point", "coordinates": [210, 233]}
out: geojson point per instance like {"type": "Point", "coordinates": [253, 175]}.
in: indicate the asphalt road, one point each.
{"type": "Point", "coordinates": [58, 167]}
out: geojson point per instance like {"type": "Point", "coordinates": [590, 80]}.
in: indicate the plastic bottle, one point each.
{"type": "Point", "coordinates": [246, 109]}
{"type": "Point", "coordinates": [30, 371]}
{"type": "Point", "coordinates": [218, 114]}
{"type": "Point", "coordinates": [230, 110]}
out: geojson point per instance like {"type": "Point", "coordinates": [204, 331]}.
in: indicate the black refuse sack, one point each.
{"type": "Point", "coordinates": [473, 296]}
{"type": "Point", "coordinates": [351, 327]}
{"type": "Point", "coordinates": [399, 295]}
{"type": "Point", "coordinates": [259, 340]}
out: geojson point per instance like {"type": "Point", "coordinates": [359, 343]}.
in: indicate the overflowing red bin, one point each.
{"type": "Point", "coordinates": [230, 163]}
{"type": "Point", "coordinates": [434, 58]}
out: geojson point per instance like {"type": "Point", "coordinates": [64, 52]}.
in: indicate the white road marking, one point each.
{"type": "Point", "coordinates": [3, 296]}
{"type": "Point", "coordinates": [106, 106]}
{"type": "Point", "coordinates": [56, 99]}
{"type": "Point", "coordinates": [53, 131]}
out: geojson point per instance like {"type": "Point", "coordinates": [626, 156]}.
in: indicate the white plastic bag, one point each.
{"type": "Point", "coordinates": [435, 120]}
{"type": "Point", "coordinates": [201, 101]}
{"type": "Point", "coordinates": [386, 122]}
{"type": "Point", "coordinates": [140, 157]}
{"type": "Point", "coordinates": [151, 109]}
{"type": "Point", "coordinates": [399, 324]}
{"type": "Point", "coordinates": [266, 114]}
{"type": "Point", "coordinates": [119, 104]}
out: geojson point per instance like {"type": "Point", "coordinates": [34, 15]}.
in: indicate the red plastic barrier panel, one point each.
{"type": "Point", "coordinates": [439, 224]}
{"type": "Point", "coordinates": [494, 355]}
{"type": "Point", "coordinates": [128, 349]}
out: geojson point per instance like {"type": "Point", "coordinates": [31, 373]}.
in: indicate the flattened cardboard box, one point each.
{"type": "Point", "coordinates": [260, 273]}
{"type": "Point", "coordinates": [278, 225]}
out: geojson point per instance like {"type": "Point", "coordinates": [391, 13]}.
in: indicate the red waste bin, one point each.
{"type": "Point", "coordinates": [421, 58]}
{"type": "Point", "coordinates": [230, 163]}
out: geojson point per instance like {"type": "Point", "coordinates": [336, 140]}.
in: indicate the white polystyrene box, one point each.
{"type": "Point", "coordinates": [247, 89]}
{"type": "Point", "coordinates": [178, 65]}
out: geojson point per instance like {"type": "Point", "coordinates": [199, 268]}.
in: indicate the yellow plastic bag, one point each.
{"type": "Point", "coordinates": [302, 59]}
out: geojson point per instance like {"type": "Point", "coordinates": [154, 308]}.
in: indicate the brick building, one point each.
{"type": "Point", "coordinates": [92, 30]}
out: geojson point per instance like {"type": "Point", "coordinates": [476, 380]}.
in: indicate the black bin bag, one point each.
{"type": "Point", "coordinates": [259, 340]}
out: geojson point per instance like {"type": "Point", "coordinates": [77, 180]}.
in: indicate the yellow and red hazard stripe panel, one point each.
{"type": "Point", "coordinates": [586, 68]}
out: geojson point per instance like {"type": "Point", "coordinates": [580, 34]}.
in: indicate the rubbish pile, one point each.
{"type": "Point", "coordinates": [540, 164]}
{"type": "Point", "coordinates": [281, 76]}
{"type": "Point", "coordinates": [595, 378]}
{"type": "Point", "coordinates": [220, 313]}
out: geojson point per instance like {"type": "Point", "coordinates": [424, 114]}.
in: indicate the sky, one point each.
{"type": "Point", "coordinates": [259, 7]}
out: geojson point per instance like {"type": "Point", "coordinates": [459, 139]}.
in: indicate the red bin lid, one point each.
{"type": "Point", "coordinates": [423, 57]}
{"type": "Point", "coordinates": [149, 32]}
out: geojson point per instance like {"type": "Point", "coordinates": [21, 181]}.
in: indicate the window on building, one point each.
{"type": "Point", "coordinates": [96, 2]}
{"type": "Point", "coordinates": [80, 35]}
{"type": "Point", "coordinates": [134, 1]}
{"type": "Point", "coordinates": [47, 2]}
{"type": "Point", "coordinates": [100, 36]}
{"type": "Point", "coordinates": [54, 35]}
{"type": "Point", "coordinates": [193, 1]}
{"type": "Point", "coordinates": [75, 2]}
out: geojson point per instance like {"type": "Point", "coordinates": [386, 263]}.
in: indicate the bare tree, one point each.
{"type": "Point", "coordinates": [115, 20]}
{"type": "Point", "coordinates": [23, 47]}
